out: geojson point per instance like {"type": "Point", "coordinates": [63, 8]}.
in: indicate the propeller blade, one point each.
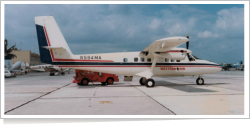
{"type": "Point", "coordinates": [187, 43]}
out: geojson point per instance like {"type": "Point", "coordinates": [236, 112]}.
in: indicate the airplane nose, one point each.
{"type": "Point", "coordinates": [218, 67]}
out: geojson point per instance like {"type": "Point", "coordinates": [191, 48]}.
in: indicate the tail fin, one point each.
{"type": "Point", "coordinates": [52, 45]}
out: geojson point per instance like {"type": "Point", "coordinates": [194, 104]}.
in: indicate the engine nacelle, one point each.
{"type": "Point", "coordinates": [174, 54]}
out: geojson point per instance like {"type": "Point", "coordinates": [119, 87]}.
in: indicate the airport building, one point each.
{"type": "Point", "coordinates": [26, 56]}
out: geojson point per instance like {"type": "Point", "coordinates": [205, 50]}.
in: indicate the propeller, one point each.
{"type": "Point", "coordinates": [187, 43]}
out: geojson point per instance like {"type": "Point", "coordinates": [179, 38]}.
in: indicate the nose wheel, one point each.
{"type": "Point", "coordinates": [200, 81]}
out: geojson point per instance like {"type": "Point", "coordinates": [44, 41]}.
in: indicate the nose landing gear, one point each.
{"type": "Point", "coordinates": [200, 81]}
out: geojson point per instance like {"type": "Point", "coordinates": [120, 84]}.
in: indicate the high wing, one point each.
{"type": "Point", "coordinates": [160, 46]}
{"type": "Point", "coordinates": [163, 45]}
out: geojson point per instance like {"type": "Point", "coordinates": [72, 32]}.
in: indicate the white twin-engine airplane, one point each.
{"type": "Point", "coordinates": [161, 58]}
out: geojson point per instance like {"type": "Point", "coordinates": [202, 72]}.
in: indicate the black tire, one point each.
{"type": "Point", "coordinates": [200, 81]}
{"type": "Point", "coordinates": [52, 74]}
{"type": "Point", "coordinates": [85, 82]}
{"type": "Point", "coordinates": [110, 81]}
{"type": "Point", "coordinates": [63, 73]}
{"type": "Point", "coordinates": [80, 84]}
{"type": "Point", "coordinates": [103, 83]}
{"type": "Point", "coordinates": [26, 72]}
{"type": "Point", "coordinates": [141, 81]}
{"type": "Point", "coordinates": [150, 83]}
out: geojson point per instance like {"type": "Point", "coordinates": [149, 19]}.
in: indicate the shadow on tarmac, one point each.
{"type": "Point", "coordinates": [181, 87]}
{"type": "Point", "coordinates": [100, 85]}
{"type": "Point", "coordinates": [187, 87]}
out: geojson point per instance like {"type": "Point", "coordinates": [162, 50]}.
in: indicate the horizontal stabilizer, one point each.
{"type": "Point", "coordinates": [51, 47]}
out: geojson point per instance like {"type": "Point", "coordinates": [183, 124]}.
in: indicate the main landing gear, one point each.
{"type": "Point", "coordinates": [200, 81]}
{"type": "Point", "coordinates": [151, 83]}
{"type": "Point", "coordinates": [148, 82]}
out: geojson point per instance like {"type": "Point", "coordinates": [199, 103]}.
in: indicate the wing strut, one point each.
{"type": "Point", "coordinates": [153, 64]}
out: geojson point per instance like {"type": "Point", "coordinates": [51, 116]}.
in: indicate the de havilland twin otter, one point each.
{"type": "Point", "coordinates": [161, 58]}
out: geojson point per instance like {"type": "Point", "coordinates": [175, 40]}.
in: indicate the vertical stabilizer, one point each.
{"type": "Point", "coordinates": [52, 45]}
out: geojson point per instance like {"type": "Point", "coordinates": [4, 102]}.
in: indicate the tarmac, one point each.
{"type": "Point", "coordinates": [40, 94]}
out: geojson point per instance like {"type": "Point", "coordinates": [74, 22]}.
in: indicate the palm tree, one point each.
{"type": "Point", "coordinates": [7, 52]}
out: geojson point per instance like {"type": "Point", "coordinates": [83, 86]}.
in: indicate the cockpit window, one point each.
{"type": "Point", "coordinates": [190, 58]}
{"type": "Point", "coordinates": [195, 57]}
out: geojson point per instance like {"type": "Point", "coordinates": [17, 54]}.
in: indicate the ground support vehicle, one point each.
{"type": "Point", "coordinates": [7, 73]}
{"type": "Point", "coordinates": [83, 77]}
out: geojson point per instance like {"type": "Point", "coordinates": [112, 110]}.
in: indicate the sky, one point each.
{"type": "Point", "coordinates": [216, 31]}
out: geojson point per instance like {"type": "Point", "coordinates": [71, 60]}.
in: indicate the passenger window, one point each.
{"type": "Point", "coordinates": [172, 60]}
{"type": "Point", "coordinates": [166, 60]}
{"type": "Point", "coordinates": [142, 59]}
{"type": "Point", "coordinates": [149, 59]}
{"type": "Point", "coordinates": [160, 59]}
{"type": "Point", "coordinates": [136, 59]}
{"type": "Point", "coordinates": [125, 60]}
{"type": "Point", "coordinates": [178, 60]}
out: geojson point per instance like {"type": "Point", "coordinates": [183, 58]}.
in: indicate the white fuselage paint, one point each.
{"type": "Point", "coordinates": [131, 68]}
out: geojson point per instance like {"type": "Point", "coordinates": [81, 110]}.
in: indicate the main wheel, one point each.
{"type": "Point", "coordinates": [62, 73]}
{"type": "Point", "coordinates": [51, 74]}
{"type": "Point", "coordinates": [150, 83]}
{"type": "Point", "coordinates": [110, 81]}
{"type": "Point", "coordinates": [141, 81]}
{"type": "Point", "coordinates": [85, 82]}
{"type": "Point", "coordinates": [200, 81]}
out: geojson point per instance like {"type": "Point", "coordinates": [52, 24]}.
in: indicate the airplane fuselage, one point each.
{"type": "Point", "coordinates": [131, 63]}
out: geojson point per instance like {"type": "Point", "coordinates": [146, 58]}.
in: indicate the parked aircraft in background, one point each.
{"type": "Point", "coordinates": [161, 58]}
{"type": "Point", "coordinates": [15, 68]}
{"type": "Point", "coordinates": [54, 70]}
{"type": "Point", "coordinates": [232, 67]}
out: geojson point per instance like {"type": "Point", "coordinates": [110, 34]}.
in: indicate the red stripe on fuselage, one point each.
{"type": "Point", "coordinates": [74, 60]}
{"type": "Point", "coordinates": [137, 66]}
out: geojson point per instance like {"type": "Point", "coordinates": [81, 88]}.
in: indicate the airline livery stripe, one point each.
{"type": "Point", "coordinates": [136, 66]}
{"type": "Point", "coordinates": [46, 36]}
{"type": "Point", "coordinates": [79, 60]}
{"type": "Point", "coordinates": [131, 64]}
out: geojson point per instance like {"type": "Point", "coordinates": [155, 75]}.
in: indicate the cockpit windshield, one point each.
{"type": "Point", "coordinates": [195, 57]}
